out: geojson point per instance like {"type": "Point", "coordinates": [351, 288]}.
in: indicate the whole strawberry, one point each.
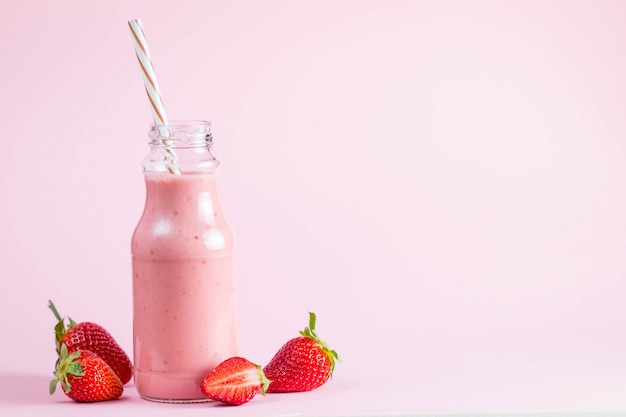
{"type": "Point", "coordinates": [93, 337]}
{"type": "Point", "coordinates": [85, 377]}
{"type": "Point", "coordinates": [302, 364]}
{"type": "Point", "coordinates": [235, 381]}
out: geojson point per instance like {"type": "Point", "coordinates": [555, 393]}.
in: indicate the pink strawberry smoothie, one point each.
{"type": "Point", "coordinates": [184, 287]}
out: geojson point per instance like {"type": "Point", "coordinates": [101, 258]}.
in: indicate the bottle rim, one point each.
{"type": "Point", "coordinates": [181, 131]}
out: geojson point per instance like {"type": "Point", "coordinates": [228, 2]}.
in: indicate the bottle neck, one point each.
{"type": "Point", "coordinates": [183, 147]}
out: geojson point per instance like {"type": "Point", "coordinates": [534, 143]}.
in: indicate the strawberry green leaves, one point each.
{"type": "Point", "coordinates": [66, 365]}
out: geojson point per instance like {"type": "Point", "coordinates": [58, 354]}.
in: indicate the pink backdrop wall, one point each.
{"type": "Point", "coordinates": [445, 177]}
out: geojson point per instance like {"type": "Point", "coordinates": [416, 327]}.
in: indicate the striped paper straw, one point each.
{"type": "Point", "coordinates": [152, 88]}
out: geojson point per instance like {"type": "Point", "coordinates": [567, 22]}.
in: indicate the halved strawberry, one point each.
{"type": "Point", "coordinates": [93, 337]}
{"type": "Point", "coordinates": [235, 381]}
{"type": "Point", "coordinates": [85, 377]}
{"type": "Point", "coordinates": [302, 364]}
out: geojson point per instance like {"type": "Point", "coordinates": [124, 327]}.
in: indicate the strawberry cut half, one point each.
{"type": "Point", "coordinates": [235, 381]}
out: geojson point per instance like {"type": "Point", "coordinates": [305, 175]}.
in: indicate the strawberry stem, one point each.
{"type": "Point", "coordinates": [54, 310]}
{"type": "Point", "coordinates": [59, 328]}
{"type": "Point", "coordinates": [312, 334]}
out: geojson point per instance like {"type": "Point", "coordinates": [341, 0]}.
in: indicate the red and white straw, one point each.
{"type": "Point", "coordinates": [147, 70]}
{"type": "Point", "coordinates": [152, 87]}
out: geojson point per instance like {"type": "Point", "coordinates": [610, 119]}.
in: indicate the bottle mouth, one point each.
{"type": "Point", "coordinates": [191, 132]}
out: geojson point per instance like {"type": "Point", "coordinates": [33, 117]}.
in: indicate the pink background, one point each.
{"type": "Point", "coordinates": [442, 182]}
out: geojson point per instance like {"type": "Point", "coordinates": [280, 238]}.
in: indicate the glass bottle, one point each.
{"type": "Point", "coordinates": [183, 260]}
